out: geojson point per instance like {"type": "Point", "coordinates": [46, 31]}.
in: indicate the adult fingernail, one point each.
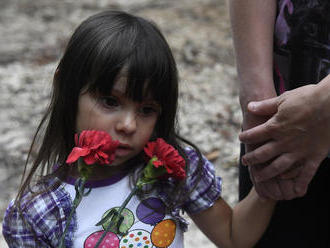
{"type": "Point", "coordinates": [252, 105]}
{"type": "Point", "coordinates": [244, 161]}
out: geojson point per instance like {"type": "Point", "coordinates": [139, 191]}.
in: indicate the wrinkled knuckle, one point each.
{"type": "Point", "coordinates": [287, 161]}
{"type": "Point", "coordinates": [277, 168]}
{"type": "Point", "coordinates": [271, 126]}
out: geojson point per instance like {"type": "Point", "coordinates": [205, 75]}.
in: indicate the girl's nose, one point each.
{"type": "Point", "coordinates": [127, 123]}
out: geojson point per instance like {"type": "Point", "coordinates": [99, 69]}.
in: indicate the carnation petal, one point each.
{"type": "Point", "coordinates": [168, 157]}
{"type": "Point", "coordinates": [149, 149]}
{"type": "Point", "coordinates": [90, 159]}
{"type": "Point", "coordinates": [157, 163]}
{"type": "Point", "coordinates": [99, 145]}
{"type": "Point", "coordinates": [76, 153]}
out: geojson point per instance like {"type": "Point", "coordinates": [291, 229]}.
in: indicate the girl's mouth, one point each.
{"type": "Point", "coordinates": [123, 150]}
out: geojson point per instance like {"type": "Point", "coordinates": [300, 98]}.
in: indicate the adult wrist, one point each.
{"type": "Point", "coordinates": [322, 93]}
{"type": "Point", "coordinates": [256, 93]}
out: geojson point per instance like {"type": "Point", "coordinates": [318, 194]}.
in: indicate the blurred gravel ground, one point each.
{"type": "Point", "coordinates": [33, 35]}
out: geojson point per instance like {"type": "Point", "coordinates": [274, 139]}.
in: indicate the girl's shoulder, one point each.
{"type": "Point", "coordinates": [45, 195]}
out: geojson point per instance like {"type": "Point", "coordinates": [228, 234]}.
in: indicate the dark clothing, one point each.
{"type": "Point", "coordinates": [301, 56]}
{"type": "Point", "coordinates": [303, 222]}
{"type": "Point", "coordinates": [301, 43]}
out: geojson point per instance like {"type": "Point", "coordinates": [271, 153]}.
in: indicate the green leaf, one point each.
{"type": "Point", "coordinates": [151, 172]}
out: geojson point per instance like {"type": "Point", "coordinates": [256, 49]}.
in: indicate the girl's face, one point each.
{"type": "Point", "coordinates": [132, 123]}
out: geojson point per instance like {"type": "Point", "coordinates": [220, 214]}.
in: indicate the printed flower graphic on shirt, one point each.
{"type": "Point", "coordinates": [165, 161]}
{"type": "Point", "coordinates": [93, 148]}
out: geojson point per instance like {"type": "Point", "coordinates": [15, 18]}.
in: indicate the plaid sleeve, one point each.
{"type": "Point", "coordinates": [16, 231]}
{"type": "Point", "coordinates": [208, 185]}
{"type": "Point", "coordinates": [41, 223]}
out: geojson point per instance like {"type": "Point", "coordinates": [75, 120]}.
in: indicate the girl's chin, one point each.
{"type": "Point", "coordinates": [119, 162]}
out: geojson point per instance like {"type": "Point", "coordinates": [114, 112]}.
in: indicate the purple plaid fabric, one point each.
{"type": "Point", "coordinates": [208, 189]}
{"type": "Point", "coordinates": [46, 213]}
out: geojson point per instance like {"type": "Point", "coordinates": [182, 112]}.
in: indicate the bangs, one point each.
{"type": "Point", "coordinates": [113, 44]}
{"type": "Point", "coordinates": [138, 52]}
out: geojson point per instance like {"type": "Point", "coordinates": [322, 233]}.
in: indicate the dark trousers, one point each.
{"type": "Point", "coordinates": [303, 222]}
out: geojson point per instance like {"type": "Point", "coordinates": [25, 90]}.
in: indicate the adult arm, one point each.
{"type": "Point", "coordinates": [239, 227]}
{"type": "Point", "coordinates": [253, 30]}
{"type": "Point", "coordinates": [253, 26]}
{"type": "Point", "coordinates": [297, 135]}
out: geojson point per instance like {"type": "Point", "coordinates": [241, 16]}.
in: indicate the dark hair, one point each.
{"type": "Point", "coordinates": [102, 47]}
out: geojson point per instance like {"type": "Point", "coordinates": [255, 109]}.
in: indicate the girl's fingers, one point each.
{"type": "Point", "coordinates": [265, 107]}
{"type": "Point", "coordinates": [262, 154]}
{"type": "Point", "coordinates": [275, 168]}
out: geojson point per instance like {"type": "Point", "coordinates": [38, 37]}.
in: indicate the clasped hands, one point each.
{"type": "Point", "coordinates": [285, 152]}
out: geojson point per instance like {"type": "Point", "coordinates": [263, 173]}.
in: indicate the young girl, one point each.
{"type": "Point", "coordinates": [118, 75]}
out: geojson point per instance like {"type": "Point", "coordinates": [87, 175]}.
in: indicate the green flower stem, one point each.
{"type": "Point", "coordinates": [78, 197]}
{"type": "Point", "coordinates": [150, 175]}
{"type": "Point", "coordinates": [122, 207]}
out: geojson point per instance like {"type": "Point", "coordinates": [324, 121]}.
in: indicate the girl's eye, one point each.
{"type": "Point", "coordinates": [110, 102]}
{"type": "Point", "coordinates": [148, 110]}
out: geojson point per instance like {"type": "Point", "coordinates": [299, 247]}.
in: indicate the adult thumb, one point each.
{"type": "Point", "coordinates": [264, 107]}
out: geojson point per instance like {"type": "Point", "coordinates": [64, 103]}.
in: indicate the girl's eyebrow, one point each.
{"type": "Point", "coordinates": [148, 99]}
{"type": "Point", "coordinates": [118, 92]}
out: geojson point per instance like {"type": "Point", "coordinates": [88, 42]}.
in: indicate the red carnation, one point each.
{"type": "Point", "coordinates": [164, 161]}
{"type": "Point", "coordinates": [94, 146]}
{"type": "Point", "coordinates": [167, 157]}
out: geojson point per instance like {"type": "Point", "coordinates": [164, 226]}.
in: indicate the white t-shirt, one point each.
{"type": "Point", "coordinates": [145, 227]}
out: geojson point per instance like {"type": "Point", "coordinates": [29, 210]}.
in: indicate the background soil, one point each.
{"type": "Point", "coordinates": [33, 35]}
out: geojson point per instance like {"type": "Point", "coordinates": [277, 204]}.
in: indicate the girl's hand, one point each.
{"type": "Point", "coordinates": [297, 136]}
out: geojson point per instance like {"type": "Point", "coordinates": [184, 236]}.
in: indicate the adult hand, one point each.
{"type": "Point", "coordinates": [296, 138]}
{"type": "Point", "coordinates": [274, 188]}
